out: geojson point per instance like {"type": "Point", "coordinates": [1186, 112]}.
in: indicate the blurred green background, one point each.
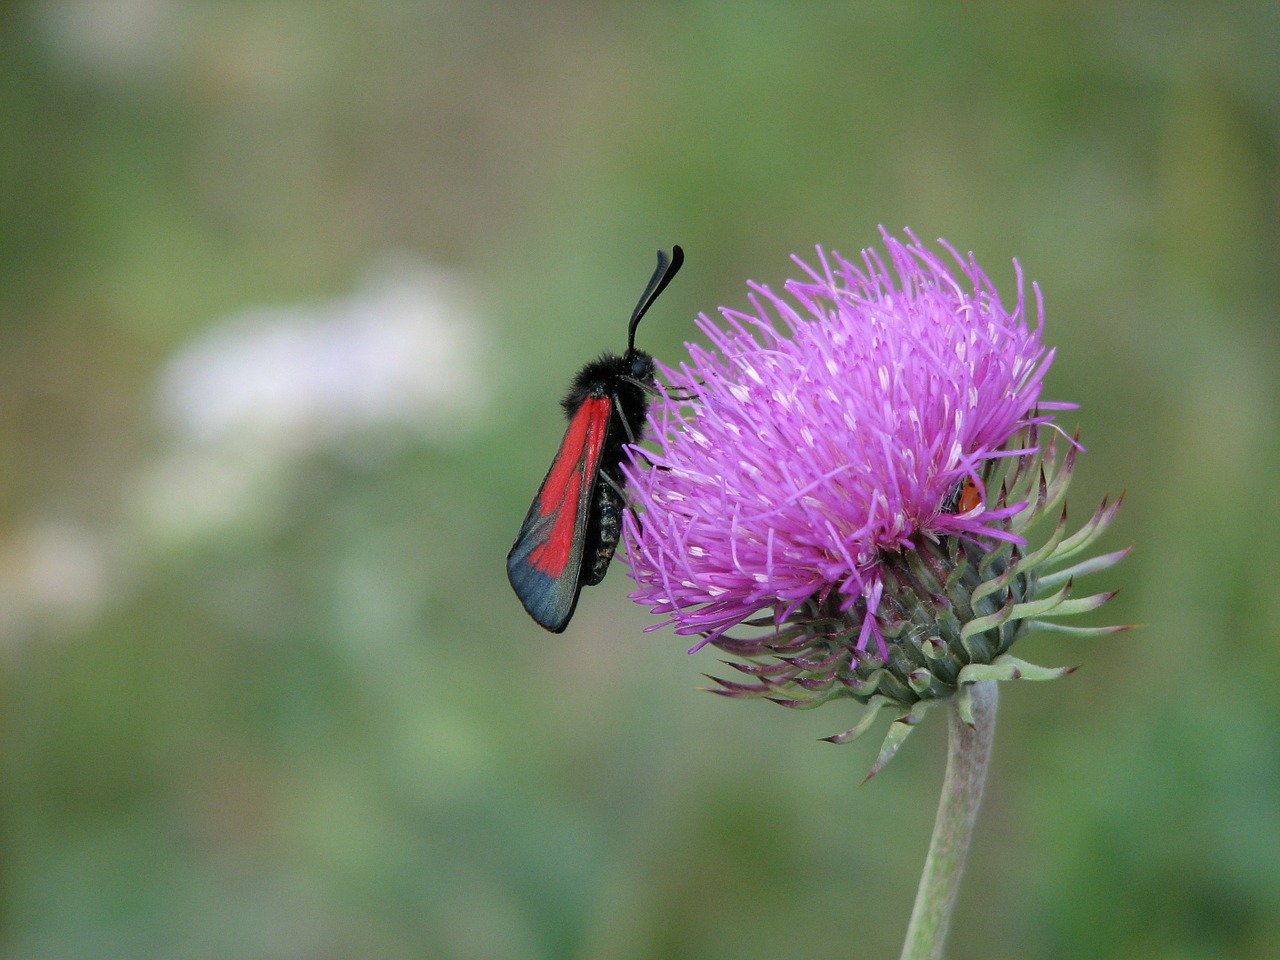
{"type": "Point", "coordinates": [288, 294]}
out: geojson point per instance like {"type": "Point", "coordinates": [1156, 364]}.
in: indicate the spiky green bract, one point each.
{"type": "Point", "coordinates": [951, 609]}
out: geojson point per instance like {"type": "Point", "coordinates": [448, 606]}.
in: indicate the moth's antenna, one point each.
{"type": "Point", "coordinates": [667, 268]}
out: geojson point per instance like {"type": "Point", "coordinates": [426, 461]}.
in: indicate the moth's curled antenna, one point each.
{"type": "Point", "coordinates": [663, 274]}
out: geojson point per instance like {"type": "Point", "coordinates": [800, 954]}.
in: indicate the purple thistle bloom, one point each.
{"type": "Point", "coordinates": [858, 460]}
{"type": "Point", "coordinates": [802, 461]}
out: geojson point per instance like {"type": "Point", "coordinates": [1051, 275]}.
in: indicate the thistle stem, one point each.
{"type": "Point", "coordinates": [968, 754]}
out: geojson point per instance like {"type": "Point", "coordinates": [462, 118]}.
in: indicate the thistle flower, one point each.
{"type": "Point", "coordinates": [849, 487]}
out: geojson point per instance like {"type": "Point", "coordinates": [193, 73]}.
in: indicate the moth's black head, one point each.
{"type": "Point", "coordinates": [639, 366]}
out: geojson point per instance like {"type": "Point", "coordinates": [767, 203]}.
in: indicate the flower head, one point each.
{"type": "Point", "coordinates": [825, 468]}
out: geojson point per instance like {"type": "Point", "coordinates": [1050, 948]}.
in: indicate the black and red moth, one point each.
{"type": "Point", "coordinates": [571, 531]}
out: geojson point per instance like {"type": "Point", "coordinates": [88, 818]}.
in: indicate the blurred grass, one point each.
{"type": "Point", "coordinates": [326, 729]}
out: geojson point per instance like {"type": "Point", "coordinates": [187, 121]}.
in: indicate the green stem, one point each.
{"type": "Point", "coordinates": [968, 754]}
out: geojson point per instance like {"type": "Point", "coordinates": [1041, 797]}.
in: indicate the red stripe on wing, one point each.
{"type": "Point", "coordinates": [565, 494]}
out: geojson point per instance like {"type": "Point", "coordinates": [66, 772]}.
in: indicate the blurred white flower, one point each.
{"type": "Point", "coordinates": [113, 38]}
{"type": "Point", "coordinates": [402, 352]}
{"type": "Point", "coordinates": [395, 363]}
{"type": "Point", "coordinates": [54, 576]}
